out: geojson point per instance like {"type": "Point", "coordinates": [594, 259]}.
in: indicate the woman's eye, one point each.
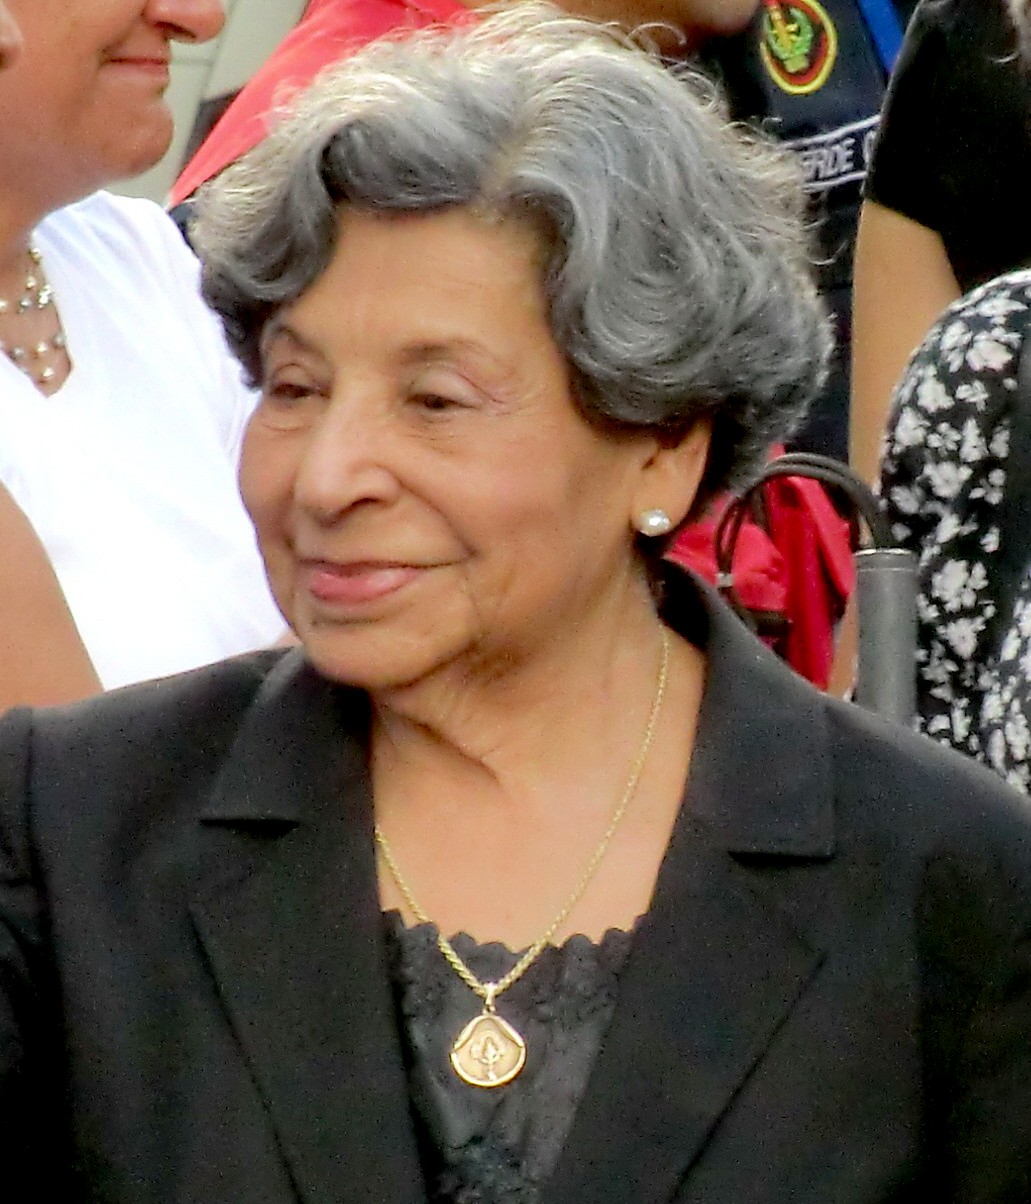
{"type": "Point", "coordinates": [435, 401]}
{"type": "Point", "coordinates": [457, 396]}
{"type": "Point", "coordinates": [288, 404]}
{"type": "Point", "coordinates": [286, 391]}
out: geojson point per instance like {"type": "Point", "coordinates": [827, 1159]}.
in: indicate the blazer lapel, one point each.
{"type": "Point", "coordinates": [718, 963]}
{"type": "Point", "coordinates": [723, 955]}
{"type": "Point", "coordinates": [290, 923]}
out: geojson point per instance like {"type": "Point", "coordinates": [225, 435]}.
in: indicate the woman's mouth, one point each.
{"type": "Point", "coordinates": [153, 70]}
{"type": "Point", "coordinates": [355, 583]}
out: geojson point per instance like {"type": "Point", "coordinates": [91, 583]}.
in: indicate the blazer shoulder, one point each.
{"type": "Point", "coordinates": [161, 709]}
{"type": "Point", "coordinates": [153, 737]}
{"type": "Point", "coordinates": [930, 801]}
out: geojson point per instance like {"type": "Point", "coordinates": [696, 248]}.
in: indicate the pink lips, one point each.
{"type": "Point", "coordinates": [354, 584]}
{"type": "Point", "coordinates": [155, 68]}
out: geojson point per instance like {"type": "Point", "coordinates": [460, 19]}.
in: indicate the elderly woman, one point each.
{"type": "Point", "coordinates": [531, 876]}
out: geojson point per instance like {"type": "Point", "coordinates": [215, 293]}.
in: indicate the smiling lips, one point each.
{"type": "Point", "coordinates": [356, 583]}
{"type": "Point", "coordinates": [155, 67]}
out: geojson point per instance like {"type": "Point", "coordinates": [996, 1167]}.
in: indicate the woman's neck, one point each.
{"type": "Point", "coordinates": [13, 263]}
{"type": "Point", "coordinates": [20, 213]}
{"type": "Point", "coordinates": [510, 715]}
{"type": "Point", "coordinates": [494, 810]}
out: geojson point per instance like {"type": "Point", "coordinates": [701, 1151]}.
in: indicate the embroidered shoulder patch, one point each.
{"type": "Point", "coordinates": [798, 44]}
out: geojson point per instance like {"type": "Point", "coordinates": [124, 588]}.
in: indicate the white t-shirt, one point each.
{"type": "Point", "coordinates": [128, 472]}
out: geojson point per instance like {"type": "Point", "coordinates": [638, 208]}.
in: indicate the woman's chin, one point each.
{"type": "Point", "coordinates": [377, 662]}
{"type": "Point", "coordinates": [383, 643]}
{"type": "Point", "coordinates": [144, 144]}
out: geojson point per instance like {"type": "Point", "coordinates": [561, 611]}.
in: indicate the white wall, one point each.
{"type": "Point", "coordinates": [252, 31]}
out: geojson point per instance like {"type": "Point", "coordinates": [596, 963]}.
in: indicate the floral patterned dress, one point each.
{"type": "Point", "coordinates": [943, 481]}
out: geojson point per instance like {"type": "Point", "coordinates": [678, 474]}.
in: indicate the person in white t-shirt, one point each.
{"type": "Point", "coordinates": [41, 656]}
{"type": "Point", "coordinates": [121, 408]}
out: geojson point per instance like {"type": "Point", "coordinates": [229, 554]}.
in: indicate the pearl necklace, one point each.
{"type": "Point", "coordinates": [36, 360]}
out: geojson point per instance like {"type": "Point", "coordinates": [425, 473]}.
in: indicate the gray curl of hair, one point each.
{"type": "Point", "coordinates": [676, 267]}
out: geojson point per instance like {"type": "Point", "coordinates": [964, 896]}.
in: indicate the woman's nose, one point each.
{"type": "Point", "coordinates": [347, 460]}
{"type": "Point", "coordinates": [188, 20]}
{"type": "Point", "coordinates": [10, 37]}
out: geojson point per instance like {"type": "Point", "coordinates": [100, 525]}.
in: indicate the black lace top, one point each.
{"type": "Point", "coordinates": [497, 1145]}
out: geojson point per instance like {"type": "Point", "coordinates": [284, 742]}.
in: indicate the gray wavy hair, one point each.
{"type": "Point", "coordinates": [676, 267]}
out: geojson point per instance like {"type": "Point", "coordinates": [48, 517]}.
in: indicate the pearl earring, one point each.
{"type": "Point", "coordinates": [654, 522]}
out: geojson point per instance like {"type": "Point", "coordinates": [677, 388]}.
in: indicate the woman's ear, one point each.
{"type": "Point", "coordinates": [670, 479]}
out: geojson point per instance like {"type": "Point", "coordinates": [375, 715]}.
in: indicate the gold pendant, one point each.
{"type": "Point", "coordinates": [489, 1052]}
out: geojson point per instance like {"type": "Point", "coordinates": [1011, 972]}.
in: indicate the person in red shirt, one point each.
{"type": "Point", "coordinates": [330, 29]}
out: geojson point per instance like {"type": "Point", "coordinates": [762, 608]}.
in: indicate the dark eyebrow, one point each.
{"type": "Point", "coordinates": [276, 328]}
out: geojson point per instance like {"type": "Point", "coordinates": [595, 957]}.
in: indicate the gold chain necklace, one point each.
{"type": "Point", "coordinates": [489, 1052]}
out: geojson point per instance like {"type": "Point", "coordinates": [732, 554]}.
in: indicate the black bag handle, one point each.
{"type": "Point", "coordinates": [885, 581]}
{"type": "Point", "coordinates": [865, 504]}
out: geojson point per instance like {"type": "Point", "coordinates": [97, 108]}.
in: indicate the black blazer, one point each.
{"type": "Point", "coordinates": [829, 1001]}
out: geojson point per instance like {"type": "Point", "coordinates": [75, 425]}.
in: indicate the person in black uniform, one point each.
{"type": "Point", "coordinates": [813, 73]}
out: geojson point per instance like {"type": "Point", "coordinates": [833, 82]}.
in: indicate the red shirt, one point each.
{"type": "Point", "coordinates": [328, 31]}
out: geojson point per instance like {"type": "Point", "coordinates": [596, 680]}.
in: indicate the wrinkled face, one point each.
{"type": "Point", "coordinates": [10, 37]}
{"type": "Point", "coordinates": [424, 490]}
{"type": "Point", "coordinates": [83, 104]}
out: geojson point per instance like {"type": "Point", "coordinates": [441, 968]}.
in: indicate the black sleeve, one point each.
{"type": "Point", "coordinates": [954, 148]}
{"type": "Point", "coordinates": [910, 142]}
{"type": "Point", "coordinates": [974, 939]}
{"type": "Point", "coordinates": [30, 1086]}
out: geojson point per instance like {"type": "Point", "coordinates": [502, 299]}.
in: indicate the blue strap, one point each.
{"type": "Point", "coordinates": [885, 29]}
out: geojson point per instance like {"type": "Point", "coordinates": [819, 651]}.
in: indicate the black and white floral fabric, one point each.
{"type": "Point", "coordinates": [943, 480]}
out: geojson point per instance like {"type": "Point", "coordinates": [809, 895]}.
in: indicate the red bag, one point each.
{"type": "Point", "coordinates": [791, 570]}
